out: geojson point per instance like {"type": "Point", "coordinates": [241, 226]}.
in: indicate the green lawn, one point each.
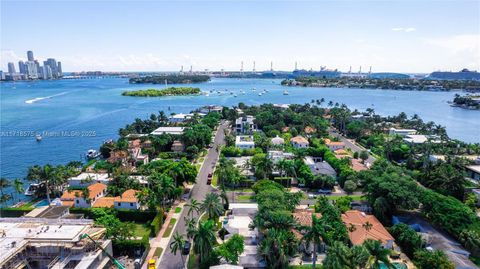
{"type": "Point", "coordinates": [169, 229]}
{"type": "Point", "coordinates": [214, 180]}
{"type": "Point", "coordinates": [354, 197]}
{"type": "Point", "coordinates": [178, 209]}
{"type": "Point", "coordinates": [244, 198]}
{"type": "Point", "coordinates": [158, 252]}
{"type": "Point", "coordinates": [141, 230]}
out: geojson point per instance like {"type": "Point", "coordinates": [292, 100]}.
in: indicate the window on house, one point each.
{"type": "Point", "coordinates": [119, 204]}
{"type": "Point", "coordinates": [77, 201]}
{"type": "Point", "coordinates": [131, 204]}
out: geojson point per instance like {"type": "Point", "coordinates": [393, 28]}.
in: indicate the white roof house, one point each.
{"type": "Point", "coordinates": [402, 132]}
{"type": "Point", "coordinates": [244, 142]}
{"type": "Point", "coordinates": [168, 130]}
{"type": "Point", "coordinates": [183, 117]}
{"type": "Point", "coordinates": [87, 179]}
{"type": "Point", "coordinates": [278, 141]}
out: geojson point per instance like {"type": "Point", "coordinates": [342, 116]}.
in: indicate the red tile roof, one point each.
{"type": "Point", "coordinates": [360, 233]}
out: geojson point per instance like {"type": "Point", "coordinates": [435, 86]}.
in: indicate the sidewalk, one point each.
{"type": "Point", "coordinates": [159, 240]}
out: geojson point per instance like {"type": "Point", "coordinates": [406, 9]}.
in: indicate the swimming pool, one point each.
{"type": "Point", "coordinates": [41, 203]}
{"type": "Point", "coordinates": [397, 265]}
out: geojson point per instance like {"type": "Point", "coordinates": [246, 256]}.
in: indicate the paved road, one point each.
{"type": "Point", "coordinates": [170, 261]}
{"type": "Point", "coordinates": [351, 145]}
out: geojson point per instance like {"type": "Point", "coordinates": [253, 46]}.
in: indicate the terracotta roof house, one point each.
{"type": "Point", "coordinates": [118, 156]}
{"type": "Point", "coordinates": [309, 130]}
{"type": "Point", "coordinates": [128, 200]}
{"type": "Point", "coordinates": [299, 142]}
{"type": "Point", "coordinates": [333, 145]}
{"type": "Point", "coordinates": [105, 202]}
{"type": "Point", "coordinates": [134, 143]}
{"type": "Point", "coordinates": [357, 165]}
{"type": "Point", "coordinates": [361, 227]}
{"type": "Point", "coordinates": [75, 198]}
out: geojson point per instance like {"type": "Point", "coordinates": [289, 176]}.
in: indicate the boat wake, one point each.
{"type": "Point", "coordinates": [34, 100]}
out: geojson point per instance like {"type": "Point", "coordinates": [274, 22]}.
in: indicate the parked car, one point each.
{"type": "Point", "coordinates": [312, 196]}
{"type": "Point", "coordinates": [210, 175]}
{"type": "Point", "coordinates": [323, 191]}
{"type": "Point", "coordinates": [209, 181]}
{"type": "Point", "coordinates": [186, 248]}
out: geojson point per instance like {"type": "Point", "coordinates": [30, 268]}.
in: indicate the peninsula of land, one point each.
{"type": "Point", "coordinates": [170, 79]}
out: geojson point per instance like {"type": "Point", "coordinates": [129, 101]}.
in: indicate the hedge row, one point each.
{"type": "Point", "coordinates": [12, 212]}
{"type": "Point", "coordinates": [157, 223]}
{"type": "Point", "coordinates": [122, 214]}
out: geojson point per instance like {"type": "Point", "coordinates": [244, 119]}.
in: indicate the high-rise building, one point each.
{"type": "Point", "coordinates": [59, 69]}
{"type": "Point", "coordinates": [11, 68]}
{"type": "Point", "coordinates": [32, 72]}
{"type": "Point", "coordinates": [30, 55]}
{"type": "Point", "coordinates": [53, 65]}
{"type": "Point", "coordinates": [38, 67]}
{"type": "Point", "coordinates": [22, 68]}
{"type": "Point", "coordinates": [47, 72]}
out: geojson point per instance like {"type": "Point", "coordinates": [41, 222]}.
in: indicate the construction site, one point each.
{"type": "Point", "coordinates": [52, 243]}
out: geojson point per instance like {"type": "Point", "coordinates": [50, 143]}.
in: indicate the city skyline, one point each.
{"type": "Point", "coordinates": [393, 36]}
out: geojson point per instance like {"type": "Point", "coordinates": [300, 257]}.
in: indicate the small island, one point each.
{"type": "Point", "coordinates": [172, 91]}
{"type": "Point", "coordinates": [467, 101]}
{"type": "Point", "coordinates": [170, 79]}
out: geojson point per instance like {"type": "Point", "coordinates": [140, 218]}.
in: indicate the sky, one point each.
{"type": "Point", "coordinates": [390, 36]}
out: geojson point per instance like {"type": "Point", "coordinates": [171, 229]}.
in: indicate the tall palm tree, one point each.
{"type": "Point", "coordinates": [49, 175]}
{"type": "Point", "coordinates": [4, 183]}
{"type": "Point", "coordinates": [276, 247]}
{"type": "Point", "coordinates": [212, 206]}
{"type": "Point", "coordinates": [315, 234]}
{"type": "Point", "coordinates": [191, 224]}
{"type": "Point", "coordinates": [204, 240]}
{"type": "Point", "coordinates": [377, 254]}
{"type": "Point", "coordinates": [177, 245]}
{"type": "Point", "coordinates": [337, 256]}
{"type": "Point", "coordinates": [193, 206]}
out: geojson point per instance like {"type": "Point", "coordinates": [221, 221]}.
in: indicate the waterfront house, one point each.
{"type": "Point", "coordinates": [178, 146]}
{"type": "Point", "coordinates": [168, 130]}
{"type": "Point", "coordinates": [76, 198]}
{"type": "Point", "coordinates": [299, 142]}
{"type": "Point", "coordinates": [138, 156]}
{"type": "Point", "coordinates": [179, 118]}
{"type": "Point", "coordinates": [402, 132]}
{"type": "Point", "coordinates": [211, 108]}
{"type": "Point", "coordinates": [244, 142]}
{"type": "Point", "coordinates": [334, 145]}
{"type": "Point", "coordinates": [128, 200]}
{"type": "Point", "coordinates": [118, 156]}
{"type": "Point", "coordinates": [361, 227]}
{"type": "Point", "coordinates": [87, 179]}
{"type": "Point", "coordinates": [474, 172]}
{"type": "Point", "coordinates": [245, 125]}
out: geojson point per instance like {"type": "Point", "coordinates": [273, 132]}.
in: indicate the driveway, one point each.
{"type": "Point", "coordinates": [351, 145]}
{"type": "Point", "coordinates": [170, 261]}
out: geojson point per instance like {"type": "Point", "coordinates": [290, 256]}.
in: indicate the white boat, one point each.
{"type": "Point", "coordinates": [38, 137]}
{"type": "Point", "coordinates": [92, 154]}
{"type": "Point", "coordinates": [285, 92]}
{"type": "Point", "coordinates": [32, 188]}
{"type": "Point", "coordinates": [234, 95]}
{"type": "Point", "coordinates": [260, 94]}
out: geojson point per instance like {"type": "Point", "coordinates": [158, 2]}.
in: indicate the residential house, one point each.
{"type": "Point", "coordinates": [334, 145]}
{"type": "Point", "coordinates": [277, 155]}
{"type": "Point", "coordinates": [178, 146]}
{"type": "Point", "coordinates": [137, 155]}
{"type": "Point", "coordinates": [309, 130]}
{"type": "Point", "coordinates": [128, 200]}
{"type": "Point", "coordinates": [319, 168]}
{"type": "Point", "coordinates": [118, 156]}
{"type": "Point", "coordinates": [179, 118]}
{"type": "Point", "coordinates": [168, 130]}
{"type": "Point", "coordinates": [474, 172]}
{"type": "Point", "coordinates": [245, 125]}
{"type": "Point", "coordinates": [361, 227]}
{"type": "Point", "coordinates": [299, 142]}
{"type": "Point", "coordinates": [304, 218]}
{"type": "Point", "coordinates": [244, 142]}
{"type": "Point", "coordinates": [76, 198]}
{"type": "Point", "coordinates": [241, 164]}
{"type": "Point", "coordinates": [238, 222]}
{"type": "Point", "coordinates": [87, 179]}
{"type": "Point", "coordinates": [402, 132]}
{"type": "Point", "coordinates": [278, 141]}
{"type": "Point", "coordinates": [357, 165]}
{"type": "Point", "coordinates": [211, 108]}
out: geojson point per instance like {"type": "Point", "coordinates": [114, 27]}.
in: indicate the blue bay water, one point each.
{"type": "Point", "coordinates": [96, 106]}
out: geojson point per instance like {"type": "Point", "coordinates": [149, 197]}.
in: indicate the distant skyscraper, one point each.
{"type": "Point", "coordinates": [53, 65]}
{"type": "Point", "coordinates": [22, 68]}
{"type": "Point", "coordinates": [30, 55]}
{"type": "Point", "coordinates": [11, 68]}
{"type": "Point", "coordinates": [59, 69]}
{"type": "Point", "coordinates": [32, 72]}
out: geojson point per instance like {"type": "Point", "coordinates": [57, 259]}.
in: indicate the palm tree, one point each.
{"type": "Point", "coordinates": [337, 256]}
{"type": "Point", "coordinates": [177, 245]}
{"type": "Point", "coordinates": [49, 175]}
{"type": "Point", "coordinates": [4, 183]}
{"type": "Point", "coordinates": [212, 206]}
{"type": "Point", "coordinates": [204, 240]}
{"type": "Point", "coordinates": [194, 206]}
{"type": "Point", "coordinates": [191, 224]}
{"type": "Point", "coordinates": [377, 254]}
{"type": "Point", "coordinates": [315, 234]}
{"type": "Point", "coordinates": [276, 247]}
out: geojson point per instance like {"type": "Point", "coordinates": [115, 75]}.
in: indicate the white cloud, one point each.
{"type": "Point", "coordinates": [404, 29]}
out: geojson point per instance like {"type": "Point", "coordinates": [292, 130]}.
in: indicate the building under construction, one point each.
{"type": "Point", "coordinates": [52, 243]}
